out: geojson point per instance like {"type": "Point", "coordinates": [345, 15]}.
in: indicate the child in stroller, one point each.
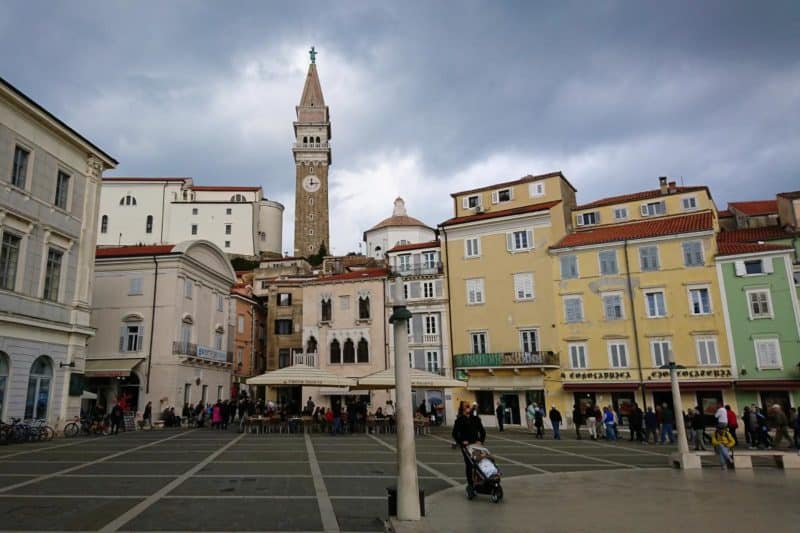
{"type": "Point", "coordinates": [486, 475]}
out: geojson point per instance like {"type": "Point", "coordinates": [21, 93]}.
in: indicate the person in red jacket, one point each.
{"type": "Point", "coordinates": [733, 423]}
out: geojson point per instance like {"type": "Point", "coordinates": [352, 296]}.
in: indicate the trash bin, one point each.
{"type": "Point", "coordinates": [392, 491]}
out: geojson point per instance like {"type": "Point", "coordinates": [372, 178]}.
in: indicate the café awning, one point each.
{"type": "Point", "coordinates": [419, 380]}
{"type": "Point", "coordinates": [110, 368]}
{"type": "Point", "coordinates": [301, 375]}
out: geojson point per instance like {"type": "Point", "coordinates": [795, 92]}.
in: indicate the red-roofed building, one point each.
{"type": "Point", "coordinates": [248, 329]}
{"type": "Point", "coordinates": [754, 214]}
{"type": "Point", "coordinates": [398, 229]}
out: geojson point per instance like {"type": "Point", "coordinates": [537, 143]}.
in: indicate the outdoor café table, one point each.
{"type": "Point", "coordinates": [256, 422]}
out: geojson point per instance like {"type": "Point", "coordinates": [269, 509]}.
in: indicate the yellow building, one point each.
{"type": "Point", "coordinates": [635, 280]}
{"type": "Point", "coordinates": [501, 290]}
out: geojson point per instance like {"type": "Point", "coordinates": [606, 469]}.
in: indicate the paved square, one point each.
{"type": "Point", "coordinates": [202, 480]}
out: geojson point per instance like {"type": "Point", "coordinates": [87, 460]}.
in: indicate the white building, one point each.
{"type": "Point", "coordinates": [396, 230]}
{"type": "Point", "coordinates": [147, 211]}
{"type": "Point", "coordinates": [50, 180]}
{"type": "Point", "coordinates": [161, 314]}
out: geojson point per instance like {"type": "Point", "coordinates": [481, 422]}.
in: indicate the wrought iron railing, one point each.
{"type": "Point", "coordinates": [500, 359]}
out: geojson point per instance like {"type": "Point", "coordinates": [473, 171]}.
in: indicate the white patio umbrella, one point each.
{"type": "Point", "coordinates": [420, 379]}
{"type": "Point", "coordinates": [302, 375]}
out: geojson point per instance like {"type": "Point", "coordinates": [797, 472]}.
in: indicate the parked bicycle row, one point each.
{"type": "Point", "coordinates": [25, 431]}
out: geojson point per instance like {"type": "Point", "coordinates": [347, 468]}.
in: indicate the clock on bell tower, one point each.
{"type": "Point", "coordinates": [312, 157]}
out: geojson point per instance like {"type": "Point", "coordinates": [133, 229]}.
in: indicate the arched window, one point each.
{"type": "Point", "coordinates": [186, 331]}
{"type": "Point", "coordinates": [317, 140]}
{"type": "Point", "coordinates": [104, 224]}
{"type": "Point", "coordinates": [326, 310]}
{"type": "Point", "coordinates": [4, 372]}
{"type": "Point", "coordinates": [127, 200]}
{"type": "Point", "coordinates": [219, 333]}
{"type": "Point", "coordinates": [363, 351]}
{"type": "Point", "coordinates": [311, 345]}
{"type": "Point", "coordinates": [148, 226]}
{"type": "Point", "coordinates": [237, 198]}
{"type": "Point", "coordinates": [39, 382]}
{"type": "Point", "coordinates": [349, 351]}
{"type": "Point", "coordinates": [336, 352]}
{"type": "Point", "coordinates": [305, 140]}
{"type": "Point", "coordinates": [363, 308]}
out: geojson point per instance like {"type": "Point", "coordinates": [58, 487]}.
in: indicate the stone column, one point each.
{"type": "Point", "coordinates": [682, 458]}
{"type": "Point", "coordinates": [407, 482]}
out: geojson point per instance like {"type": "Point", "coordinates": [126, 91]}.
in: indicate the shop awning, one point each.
{"type": "Point", "coordinates": [509, 382]}
{"type": "Point", "coordinates": [339, 391]}
{"type": "Point", "coordinates": [600, 387]}
{"type": "Point", "coordinates": [299, 375]}
{"type": "Point", "coordinates": [110, 368]}
{"type": "Point", "coordinates": [767, 384]}
{"type": "Point", "coordinates": [689, 385]}
{"type": "Point", "coordinates": [419, 380]}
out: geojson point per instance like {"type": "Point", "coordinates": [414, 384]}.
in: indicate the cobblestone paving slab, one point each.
{"type": "Point", "coordinates": [245, 486]}
{"type": "Point", "coordinates": [78, 513]}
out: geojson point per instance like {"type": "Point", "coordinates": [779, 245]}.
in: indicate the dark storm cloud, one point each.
{"type": "Point", "coordinates": [456, 93]}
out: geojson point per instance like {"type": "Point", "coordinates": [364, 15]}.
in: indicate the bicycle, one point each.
{"type": "Point", "coordinates": [77, 427]}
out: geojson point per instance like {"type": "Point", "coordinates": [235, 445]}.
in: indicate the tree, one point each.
{"type": "Point", "coordinates": [316, 259]}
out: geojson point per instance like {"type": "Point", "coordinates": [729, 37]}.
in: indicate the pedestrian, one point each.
{"type": "Point", "coordinates": [577, 419]}
{"type": "Point", "coordinates": [309, 406]}
{"type": "Point", "coordinates": [216, 415]}
{"type": "Point", "coordinates": [698, 426]}
{"type": "Point", "coordinates": [500, 413]}
{"type": "Point", "coordinates": [635, 420]}
{"type": "Point", "coordinates": [223, 410]}
{"type": "Point", "coordinates": [650, 426]}
{"type": "Point", "coordinates": [723, 443]}
{"type": "Point", "coordinates": [538, 422]}
{"type": "Point", "coordinates": [667, 423]}
{"type": "Point", "coordinates": [147, 417]}
{"type": "Point", "coordinates": [781, 424]}
{"type": "Point", "coordinates": [733, 423]}
{"type": "Point", "coordinates": [608, 422]}
{"type": "Point", "coordinates": [555, 420]}
{"type": "Point", "coordinates": [468, 429]}
{"type": "Point", "coordinates": [746, 424]}
{"type": "Point", "coordinates": [116, 419]}
{"type": "Point", "coordinates": [752, 425]}
{"type": "Point", "coordinates": [721, 415]}
{"type": "Point", "coordinates": [616, 421]}
{"type": "Point", "coordinates": [599, 421]}
{"type": "Point", "coordinates": [529, 415]}
{"type": "Point", "coordinates": [590, 423]}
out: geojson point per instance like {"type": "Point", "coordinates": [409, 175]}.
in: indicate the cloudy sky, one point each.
{"type": "Point", "coordinates": [426, 98]}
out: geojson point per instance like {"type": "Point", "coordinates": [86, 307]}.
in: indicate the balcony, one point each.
{"type": "Point", "coordinates": [308, 146]}
{"type": "Point", "coordinates": [201, 352]}
{"type": "Point", "coordinates": [430, 338]}
{"type": "Point", "coordinates": [507, 359]}
{"type": "Point", "coordinates": [418, 270]}
{"type": "Point", "coordinates": [438, 370]}
{"type": "Point", "coordinates": [309, 359]}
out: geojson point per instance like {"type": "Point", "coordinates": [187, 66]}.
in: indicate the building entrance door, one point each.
{"type": "Point", "coordinates": [663, 397]}
{"type": "Point", "coordinates": [511, 403]}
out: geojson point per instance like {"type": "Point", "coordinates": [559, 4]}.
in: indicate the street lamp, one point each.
{"type": "Point", "coordinates": [682, 458]}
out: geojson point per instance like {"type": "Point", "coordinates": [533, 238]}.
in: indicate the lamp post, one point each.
{"type": "Point", "coordinates": [407, 482]}
{"type": "Point", "coordinates": [682, 458]}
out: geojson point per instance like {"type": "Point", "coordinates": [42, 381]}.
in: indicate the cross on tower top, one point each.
{"type": "Point", "coordinates": [313, 54]}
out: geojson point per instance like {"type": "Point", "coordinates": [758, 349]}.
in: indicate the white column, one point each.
{"type": "Point", "coordinates": [684, 458]}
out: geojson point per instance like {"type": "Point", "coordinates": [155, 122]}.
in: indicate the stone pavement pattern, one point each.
{"type": "Point", "coordinates": [203, 480]}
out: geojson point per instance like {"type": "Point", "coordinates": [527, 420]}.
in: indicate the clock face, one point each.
{"type": "Point", "coordinates": [311, 183]}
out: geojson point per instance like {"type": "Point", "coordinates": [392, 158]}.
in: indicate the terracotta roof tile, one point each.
{"type": "Point", "coordinates": [756, 207]}
{"type": "Point", "coordinates": [767, 233]}
{"type": "Point", "coordinates": [224, 188]}
{"type": "Point", "coordinates": [524, 179]}
{"type": "Point", "coordinates": [544, 206]}
{"type": "Point", "coordinates": [794, 195]}
{"type": "Point", "coordinates": [725, 213]}
{"type": "Point", "coordinates": [414, 246]}
{"type": "Point", "coordinates": [641, 195]}
{"type": "Point", "coordinates": [736, 248]}
{"type": "Point", "coordinates": [702, 221]}
{"type": "Point", "coordinates": [354, 275]}
{"type": "Point", "coordinates": [134, 251]}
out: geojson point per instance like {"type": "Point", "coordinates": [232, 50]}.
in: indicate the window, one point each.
{"type": "Point", "coordinates": [349, 355]}
{"type": "Point", "coordinates": [264, 284]}
{"type": "Point", "coordinates": [132, 338]}
{"type": "Point", "coordinates": [127, 200]}
{"type": "Point", "coordinates": [612, 305]}
{"type": "Point", "coordinates": [427, 289]}
{"type": "Point", "coordinates": [652, 209]}
{"type": "Point", "coordinates": [760, 305]}
{"type": "Point", "coordinates": [536, 189]}
{"type": "Point", "coordinates": [19, 174]}
{"type": "Point", "coordinates": [188, 286]}
{"type": "Point", "coordinates": [754, 267]}
{"type": "Point", "coordinates": [472, 247]}
{"type": "Point", "coordinates": [620, 213]}
{"type": "Point", "coordinates": [654, 301]}
{"type": "Point", "coordinates": [577, 356]}
{"type": "Point", "coordinates": [618, 354]}
{"type": "Point", "coordinates": [220, 302]}
{"type": "Point", "coordinates": [523, 286]}
{"type": "Point", "coordinates": [707, 351]}
{"type": "Point", "coordinates": [410, 359]}
{"type": "Point", "coordinates": [4, 371]}
{"type": "Point", "coordinates": [9, 258]}
{"type": "Point", "coordinates": [689, 203]}
{"type": "Point", "coordinates": [569, 266]}
{"type": "Point", "coordinates": [429, 260]}
{"type": "Point", "coordinates": [431, 325]}
{"type": "Point", "coordinates": [204, 394]}
{"type": "Point", "coordinates": [344, 303]}
{"type": "Point", "coordinates": [240, 323]}
{"type": "Point", "coordinates": [39, 381]}
{"type": "Point", "coordinates": [529, 340]}
{"type": "Point", "coordinates": [405, 291]}
{"type": "Point", "coordinates": [186, 332]}
{"type": "Point", "coordinates": [471, 202]}
{"type": "Point", "coordinates": [283, 327]}
{"type": "Point", "coordinates": [587, 219]}
{"type": "Point", "coordinates": [404, 262]}
{"type": "Point", "coordinates": [432, 361]}
{"type": "Point", "coordinates": [238, 198]}
{"type": "Point", "coordinates": [768, 354]}
{"type": "Point", "coordinates": [148, 224]}
{"type": "Point", "coordinates": [194, 211]}
{"type": "Point", "coordinates": [217, 340]}
{"type": "Point", "coordinates": [519, 240]}
{"type": "Point", "coordinates": [659, 349]}
{"type": "Point", "coordinates": [363, 308]}
{"type": "Point", "coordinates": [228, 229]}
{"type": "Point", "coordinates": [284, 299]}
{"type": "Point", "coordinates": [362, 351]}
{"type": "Point", "coordinates": [284, 357]}
{"type": "Point", "coordinates": [194, 229]}
{"type": "Point", "coordinates": [475, 291]}
{"type": "Point", "coordinates": [336, 352]}
{"type": "Point", "coordinates": [104, 224]}
{"type": "Point", "coordinates": [478, 341]}
{"type": "Point", "coordinates": [227, 244]}
{"type": "Point", "coordinates": [187, 393]}
{"type": "Point", "coordinates": [135, 287]}
{"type": "Point", "coordinates": [219, 392]}
{"type": "Point", "coordinates": [311, 345]}
{"type": "Point", "coordinates": [503, 195]}
{"type": "Point", "coordinates": [62, 189]}
{"type": "Point", "coordinates": [693, 253]}
{"type": "Point", "coordinates": [228, 211]}
{"type": "Point", "coordinates": [699, 301]}
{"type": "Point", "coordinates": [52, 276]}
{"type": "Point", "coordinates": [608, 262]}
{"type": "Point", "coordinates": [648, 258]}
{"type": "Point", "coordinates": [262, 235]}
{"type": "Point", "coordinates": [325, 310]}
{"type": "Point", "coordinates": [573, 308]}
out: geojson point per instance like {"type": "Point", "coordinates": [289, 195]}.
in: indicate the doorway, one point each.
{"type": "Point", "coordinates": [623, 405]}
{"type": "Point", "coordinates": [510, 403]}
{"type": "Point", "coordinates": [663, 397]}
{"type": "Point", "coordinates": [709, 401]}
{"type": "Point", "coordinates": [768, 399]}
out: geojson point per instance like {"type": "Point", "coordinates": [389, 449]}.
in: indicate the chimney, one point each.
{"type": "Point", "coordinates": [673, 187]}
{"type": "Point", "coordinates": [662, 184]}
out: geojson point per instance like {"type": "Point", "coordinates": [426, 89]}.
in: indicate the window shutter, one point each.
{"type": "Point", "coordinates": [767, 265]}
{"type": "Point", "coordinates": [494, 197]}
{"type": "Point", "coordinates": [438, 288]}
{"type": "Point", "coordinates": [465, 202]}
{"type": "Point", "coordinates": [122, 338]}
{"type": "Point", "coordinates": [739, 266]}
{"type": "Point", "coordinates": [609, 304]}
{"type": "Point", "coordinates": [509, 241]}
{"type": "Point", "coordinates": [578, 220]}
{"type": "Point", "coordinates": [140, 339]}
{"type": "Point", "coordinates": [529, 237]}
{"type": "Point", "coordinates": [643, 210]}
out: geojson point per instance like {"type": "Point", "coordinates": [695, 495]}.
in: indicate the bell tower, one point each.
{"type": "Point", "coordinates": [312, 157]}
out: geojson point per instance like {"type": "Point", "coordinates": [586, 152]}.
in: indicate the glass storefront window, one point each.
{"type": "Point", "coordinates": [38, 396]}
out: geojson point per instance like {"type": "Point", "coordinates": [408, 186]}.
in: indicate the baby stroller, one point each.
{"type": "Point", "coordinates": [486, 475]}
